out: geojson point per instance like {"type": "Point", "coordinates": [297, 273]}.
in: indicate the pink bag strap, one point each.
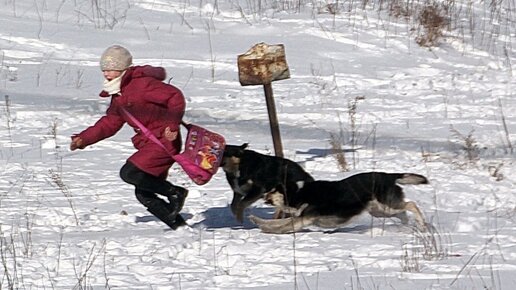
{"type": "Point", "coordinates": [147, 132]}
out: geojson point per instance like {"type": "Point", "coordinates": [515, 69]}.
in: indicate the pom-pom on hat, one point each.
{"type": "Point", "coordinates": [116, 57]}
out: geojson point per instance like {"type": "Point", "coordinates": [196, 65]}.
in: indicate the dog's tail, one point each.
{"type": "Point", "coordinates": [411, 178]}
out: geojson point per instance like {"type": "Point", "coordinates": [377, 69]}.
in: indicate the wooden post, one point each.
{"type": "Point", "coordinates": [261, 65]}
{"type": "Point", "coordinates": [273, 120]}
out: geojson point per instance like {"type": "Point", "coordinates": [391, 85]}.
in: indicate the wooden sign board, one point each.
{"type": "Point", "coordinates": [263, 64]}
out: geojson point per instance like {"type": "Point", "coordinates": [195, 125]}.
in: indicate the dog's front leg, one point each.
{"type": "Point", "coordinates": [254, 194]}
{"type": "Point", "coordinates": [300, 210]}
{"type": "Point", "coordinates": [283, 226]}
{"type": "Point", "coordinates": [241, 188]}
{"type": "Point", "coordinates": [292, 211]}
{"type": "Point", "coordinates": [237, 197]}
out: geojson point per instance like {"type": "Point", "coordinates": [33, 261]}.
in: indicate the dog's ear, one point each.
{"type": "Point", "coordinates": [243, 146]}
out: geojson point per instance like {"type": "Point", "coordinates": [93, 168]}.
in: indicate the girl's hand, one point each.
{"type": "Point", "coordinates": [170, 135]}
{"type": "Point", "coordinates": [76, 143]}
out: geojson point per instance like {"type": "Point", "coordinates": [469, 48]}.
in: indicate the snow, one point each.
{"type": "Point", "coordinates": [67, 221]}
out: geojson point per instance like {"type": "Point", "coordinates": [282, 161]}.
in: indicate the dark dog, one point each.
{"type": "Point", "coordinates": [251, 175]}
{"type": "Point", "coordinates": [333, 203]}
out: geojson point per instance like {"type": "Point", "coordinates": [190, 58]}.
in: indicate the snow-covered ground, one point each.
{"type": "Point", "coordinates": [67, 221]}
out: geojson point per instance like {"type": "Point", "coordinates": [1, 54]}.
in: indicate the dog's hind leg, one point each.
{"type": "Point", "coordinates": [381, 210]}
{"type": "Point", "coordinates": [282, 226]}
{"type": "Point", "coordinates": [378, 209]}
{"type": "Point", "coordinates": [412, 207]}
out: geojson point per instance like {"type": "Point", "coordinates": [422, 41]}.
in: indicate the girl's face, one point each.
{"type": "Point", "coordinates": [111, 74]}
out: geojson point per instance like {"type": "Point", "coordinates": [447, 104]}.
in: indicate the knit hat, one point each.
{"type": "Point", "coordinates": [116, 57]}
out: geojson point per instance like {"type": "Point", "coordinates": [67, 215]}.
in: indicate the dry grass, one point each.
{"type": "Point", "coordinates": [432, 23]}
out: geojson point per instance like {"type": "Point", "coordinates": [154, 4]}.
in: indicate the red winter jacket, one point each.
{"type": "Point", "coordinates": [155, 104]}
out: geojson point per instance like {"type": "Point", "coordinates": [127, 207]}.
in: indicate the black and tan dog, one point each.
{"type": "Point", "coordinates": [330, 204]}
{"type": "Point", "coordinates": [251, 175]}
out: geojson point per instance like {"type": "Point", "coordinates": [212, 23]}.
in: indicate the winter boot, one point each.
{"type": "Point", "coordinates": [179, 222]}
{"type": "Point", "coordinates": [177, 197]}
{"type": "Point", "coordinates": [162, 210]}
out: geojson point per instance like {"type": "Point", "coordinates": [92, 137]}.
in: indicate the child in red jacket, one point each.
{"type": "Point", "coordinates": [140, 90]}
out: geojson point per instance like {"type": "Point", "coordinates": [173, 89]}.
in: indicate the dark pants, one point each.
{"type": "Point", "coordinates": [147, 188]}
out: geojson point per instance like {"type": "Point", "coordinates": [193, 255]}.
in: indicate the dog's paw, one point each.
{"type": "Point", "coordinates": [424, 227]}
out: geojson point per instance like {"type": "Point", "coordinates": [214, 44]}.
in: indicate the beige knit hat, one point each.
{"type": "Point", "coordinates": [116, 57]}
